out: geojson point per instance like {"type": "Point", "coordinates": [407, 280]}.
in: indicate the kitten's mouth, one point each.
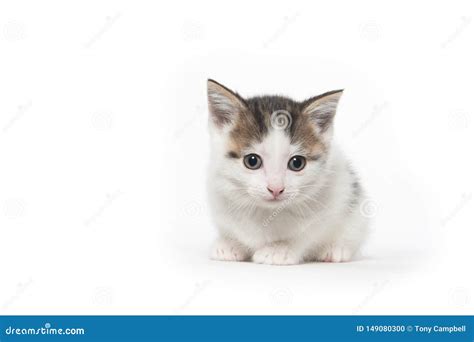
{"type": "Point", "coordinates": [283, 199]}
{"type": "Point", "coordinates": [270, 200]}
{"type": "Point", "coordinates": [274, 200]}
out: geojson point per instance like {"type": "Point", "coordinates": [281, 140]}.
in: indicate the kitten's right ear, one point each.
{"type": "Point", "coordinates": [224, 104]}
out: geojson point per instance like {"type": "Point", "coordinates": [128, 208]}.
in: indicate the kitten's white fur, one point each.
{"type": "Point", "coordinates": [317, 220]}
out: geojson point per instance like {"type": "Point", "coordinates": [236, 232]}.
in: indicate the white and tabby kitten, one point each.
{"type": "Point", "coordinates": [281, 192]}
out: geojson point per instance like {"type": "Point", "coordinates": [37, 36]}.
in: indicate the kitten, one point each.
{"type": "Point", "coordinates": [281, 192]}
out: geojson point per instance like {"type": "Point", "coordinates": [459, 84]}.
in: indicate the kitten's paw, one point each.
{"type": "Point", "coordinates": [227, 250]}
{"type": "Point", "coordinates": [338, 253]}
{"type": "Point", "coordinates": [276, 255]}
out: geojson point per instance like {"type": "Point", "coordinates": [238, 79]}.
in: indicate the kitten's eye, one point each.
{"type": "Point", "coordinates": [297, 163]}
{"type": "Point", "coordinates": [252, 161]}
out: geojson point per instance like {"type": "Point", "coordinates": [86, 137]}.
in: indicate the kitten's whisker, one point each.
{"type": "Point", "coordinates": [312, 199]}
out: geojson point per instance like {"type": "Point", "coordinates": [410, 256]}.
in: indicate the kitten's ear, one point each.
{"type": "Point", "coordinates": [322, 108]}
{"type": "Point", "coordinates": [224, 104]}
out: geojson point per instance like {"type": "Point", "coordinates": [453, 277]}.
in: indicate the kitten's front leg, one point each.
{"type": "Point", "coordinates": [277, 254]}
{"type": "Point", "coordinates": [225, 249]}
{"type": "Point", "coordinates": [337, 253]}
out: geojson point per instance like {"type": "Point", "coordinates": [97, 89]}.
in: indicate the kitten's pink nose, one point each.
{"type": "Point", "coordinates": [276, 190]}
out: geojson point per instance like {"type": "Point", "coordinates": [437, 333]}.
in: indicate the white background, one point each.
{"type": "Point", "coordinates": [104, 148]}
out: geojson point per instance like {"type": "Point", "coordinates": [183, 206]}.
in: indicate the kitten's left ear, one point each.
{"type": "Point", "coordinates": [322, 108]}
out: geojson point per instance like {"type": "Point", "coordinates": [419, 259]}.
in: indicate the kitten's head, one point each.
{"type": "Point", "coordinates": [270, 148]}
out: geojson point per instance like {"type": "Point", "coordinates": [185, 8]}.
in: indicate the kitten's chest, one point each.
{"type": "Point", "coordinates": [263, 227]}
